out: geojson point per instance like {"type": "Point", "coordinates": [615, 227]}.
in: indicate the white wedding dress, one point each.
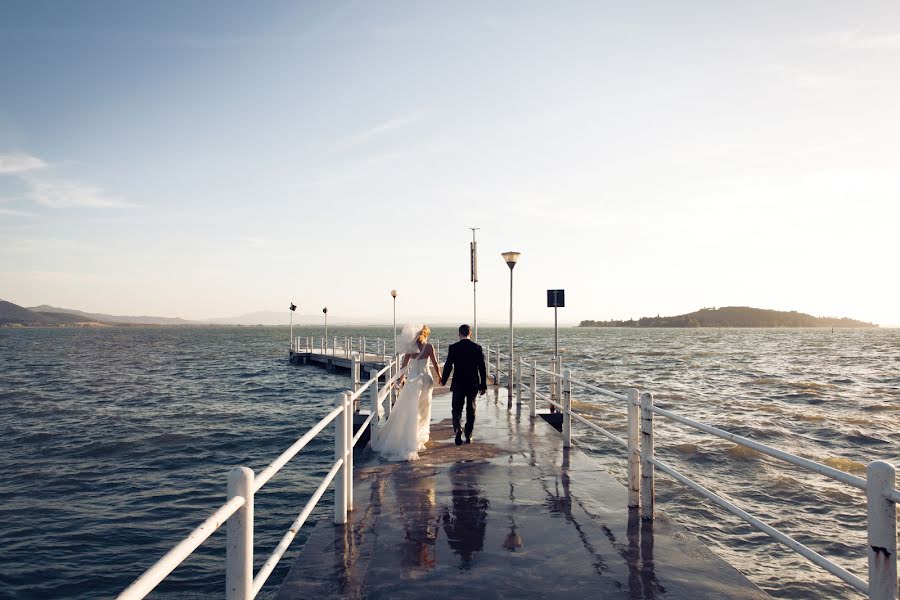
{"type": "Point", "coordinates": [405, 431]}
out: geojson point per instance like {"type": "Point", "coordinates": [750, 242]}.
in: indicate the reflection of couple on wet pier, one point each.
{"type": "Point", "coordinates": [463, 519]}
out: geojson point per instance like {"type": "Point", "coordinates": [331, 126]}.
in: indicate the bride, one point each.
{"type": "Point", "coordinates": [406, 430]}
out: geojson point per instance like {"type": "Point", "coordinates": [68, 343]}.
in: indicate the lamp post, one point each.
{"type": "Point", "coordinates": [325, 312]}
{"type": "Point", "coordinates": [293, 307]}
{"type": "Point", "coordinates": [511, 258]}
{"type": "Point", "coordinates": [394, 296]}
{"type": "Point", "coordinates": [473, 275]}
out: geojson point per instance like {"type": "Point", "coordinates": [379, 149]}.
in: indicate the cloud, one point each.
{"type": "Point", "coordinates": [856, 40]}
{"type": "Point", "coordinates": [817, 80]}
{"type": "Point", "coordinates": [376, 131]}
{"type": "Point", "coordinates": [20, 163]}
{"type": "Point", "coordinates": [64, 194]}
{"type": "Point", "coordinates": [51, 191]}
{"type": "Point", "coordinates": [9, 212]}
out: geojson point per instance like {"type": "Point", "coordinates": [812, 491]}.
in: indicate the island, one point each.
{"type": "Point", "coordinates": [734, 316]}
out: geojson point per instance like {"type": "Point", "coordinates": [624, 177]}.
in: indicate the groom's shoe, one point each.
{"type": "Point", "coordinates": [459, 437]}
{"type": "Point", "coordinates": [468, 439]}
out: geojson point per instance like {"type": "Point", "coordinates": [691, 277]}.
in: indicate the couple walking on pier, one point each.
{"type": "Point", "coordinates": [408, 427]}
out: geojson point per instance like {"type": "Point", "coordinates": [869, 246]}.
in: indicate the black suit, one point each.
{"type": "Point", "coordinates": [467, 358]}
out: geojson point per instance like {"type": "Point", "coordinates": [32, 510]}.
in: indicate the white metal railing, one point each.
{"type": "Point", "coordinates": [237, 511]}
{"type": "Point", "coordinates": [879, 483]}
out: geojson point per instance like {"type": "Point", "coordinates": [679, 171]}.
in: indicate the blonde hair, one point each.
{"type": "Point", "coordinates": [423, 334]}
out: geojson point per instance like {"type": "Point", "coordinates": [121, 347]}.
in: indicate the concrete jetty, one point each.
{"type": "Point", "coordinates": [512, 515]}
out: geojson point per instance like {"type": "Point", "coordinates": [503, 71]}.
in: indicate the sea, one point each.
{"type": "Point", "coordinates": [116, 442]}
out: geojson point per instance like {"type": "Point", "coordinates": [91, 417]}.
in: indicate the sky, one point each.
{"type": "Point", "coordinates": [212, 159]}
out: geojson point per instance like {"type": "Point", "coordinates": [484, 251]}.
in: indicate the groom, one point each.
{"type": "Point", "coordinates": [470, 378]}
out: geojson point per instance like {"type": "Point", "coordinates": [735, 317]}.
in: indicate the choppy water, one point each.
{"type": "Point", "coordinates": [114, 443]}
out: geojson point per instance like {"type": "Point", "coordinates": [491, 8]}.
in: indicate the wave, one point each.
{"type": "Point", "coordinates": [743, 453]}
{"type": "Point", "coordinates": [845, 464]}
{"type": "Point", "coordinates": [810, 416]}
{"type": "Point", "coordinates": [686, 448]}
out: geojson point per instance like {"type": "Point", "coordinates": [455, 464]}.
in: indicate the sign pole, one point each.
{"type": "Point", "coordinates": [556, 299]}
{"type": "Point", "coordinates": [555, 333]}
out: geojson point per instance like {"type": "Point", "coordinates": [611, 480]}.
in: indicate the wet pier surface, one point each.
{"type": "Point", "coordinates": [512, 515]}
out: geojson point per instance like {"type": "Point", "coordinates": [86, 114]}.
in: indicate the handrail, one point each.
{"type": "Point", "coordinates": [810, 465]}
{"type": "Point", "coordinates": [645, 453]}
{"type": "Point", "coordinates": [599, 390]}
{"type": "Point", "coordinates": [788, 541]}
{"type": "Point", "coordinates": [282, 547]}
{"type": "Point", "coordinates": [584, 384]}
{"type": "Point", "coordinates": [599, 429]}
{"type": "Point", "coordinates": [362, 428]}
{"type": "Point", "coordinates": [144, 584]}
{"type": "Point", "coordinates": [266, 474]}
{"type": "Point", "coordinates": [165, 565]}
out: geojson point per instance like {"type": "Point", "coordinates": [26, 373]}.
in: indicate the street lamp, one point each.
{"type": "Point", "coordinates": [293, 307]}
{"type": "Point", "coordinates": [394, 296]}
{"type": "Point", "coordinates": [325, 312]}
{"type": "Point", "coordinates": [511, 258]}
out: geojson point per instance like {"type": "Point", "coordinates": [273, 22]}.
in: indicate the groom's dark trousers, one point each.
{"type": "Point", "coordinates": [467, 359]}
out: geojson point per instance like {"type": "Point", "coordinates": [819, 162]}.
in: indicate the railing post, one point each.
{"type": "Point", "coordinates": [389, 397]}
{"type": "Point", "coordinates": [354, 372]}
{"type": "Point", "coordinates": [533, 399]}
{"type": "Point", "coordinates": [363, 347]}
{"type": "Point", "coordinates": [334, 346]}
{"type": "Point", "coordinates": [239, 538]}
{"type": "Point", "coordinates": [647, 472]}
{"type": "Point", "coordinates": [497, 378]}
{"type": "Point", "coordinates": [348, 439]}
{"type": "Point", "coordinates": [487, 360]}
{"type": "Point", "coordinates": [340, 446]}
{"type": "Point", "coordinates": [881, 477]}
{"type": "Point", "coordinates": [519, 381]}
{"type": "Point", "coordinates": [634, 448]}
{"type": "Point", "coordinates": [567, 409]}
{"type": "Point", "coordinates": [373, 410]}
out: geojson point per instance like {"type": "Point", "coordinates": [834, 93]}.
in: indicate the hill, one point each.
{"type": "Point", "coordinates": [13, 314]}
{"type": "Point", "coordinates": [129, 320]}
{"type": "Point", "coordinates": [734, 316]}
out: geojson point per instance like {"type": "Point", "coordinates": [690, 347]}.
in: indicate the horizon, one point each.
{"type": "Point", "coordinates": [204, 160]}
{"type": "Point", "coordinates": [304, 320]}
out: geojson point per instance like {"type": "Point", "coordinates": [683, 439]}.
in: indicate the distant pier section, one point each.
{"type": "Point", "coordinates": [339, 354]}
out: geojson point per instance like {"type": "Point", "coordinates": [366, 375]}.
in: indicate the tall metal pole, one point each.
{"type": "Point", "coordinates": [292, 308]}
{"type": "Point", "coordinates": [509, 384]}
{"type": "Point", "coordinates": [511, 258]}
{"type": "Point", "coordinates": [473, 268]}
{"type": "Point", "coordinates": [394, 295]}
{"type": "Point", "coordinates": [325, 312]}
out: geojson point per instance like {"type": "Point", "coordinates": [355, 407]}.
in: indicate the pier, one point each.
{"type": "Point", "coordinates": [520, 512]}
{"type": "Point", "coordinates": [514, 514]}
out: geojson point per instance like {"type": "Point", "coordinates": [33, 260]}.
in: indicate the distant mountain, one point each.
{"type": "Point", "coordinates": [13, 314]}
{"type": "Point", "coordinates": [260, 317]}
{"type": "Point", "coordinates": [734, 316]}
{"type": "Point", "coordinates": [282, 318]}
{"type": "Point", "coordinates": [142, 320]}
